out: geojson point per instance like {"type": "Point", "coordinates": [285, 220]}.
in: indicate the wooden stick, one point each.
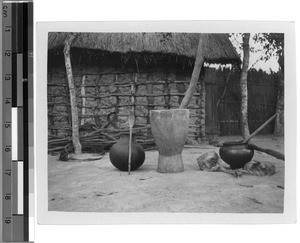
{"type": "Point", "coordinates": [60, 140]}
{"type": "Point", "coordinates": [129, 153]}
{"type": "Point", "coordinates": [124, 94]}
{"type": "Point", "coordinates": [107, 135]}
{"type": "Point", "coordinates": [131, 119]}
{"type": "Point", "coordinates": [131, 122]}
{"type": "Point", "coordinates": [246, 140]}
{"type": "Point", "coordinates": [117, 130]}
{"type": "Point", "coordinates": [56, 149]}
{"type": "Point", "coordinates": [271, 152]}
{"type": "Point", "coordinates": [83, 99]}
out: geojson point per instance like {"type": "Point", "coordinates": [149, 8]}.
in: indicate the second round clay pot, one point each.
{"type": "Point", "coordinates": [236, 154]}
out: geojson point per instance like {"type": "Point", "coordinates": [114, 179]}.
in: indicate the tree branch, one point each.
{"type": "Point", "coordinates": [196, 71]}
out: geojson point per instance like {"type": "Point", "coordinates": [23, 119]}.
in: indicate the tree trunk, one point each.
{"type": "Point", "coordinates": [244, 90]}
{"type": "Point", "coordinates": [74, 109]}
{"type": "Point", "coordinates": [196, 71]}
{"type": "Point", "coordinates": [279, 122]}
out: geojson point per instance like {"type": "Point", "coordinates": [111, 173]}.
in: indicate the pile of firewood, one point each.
{"type": "Point", "coordinates": [101, 139]}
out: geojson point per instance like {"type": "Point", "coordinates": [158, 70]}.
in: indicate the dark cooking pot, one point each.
{"type": "Point", "coordinates": [236, 154]}
{"type": "Point", "coordinates": [119, 153]}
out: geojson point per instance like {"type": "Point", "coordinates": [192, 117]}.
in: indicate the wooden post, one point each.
{"type": "Point", "coordinates": [69, 113]}
{"type": "Point", "coordinates": [196, 71]}
{"type": "Point", "coordinates": [74, 110]}
{"type": "Point", "coordinates": [130, 123]}
{"type": "Point", "coordinates": [117, 99]}
{"type": "Point", "coordinates": [83, 98]}
{"type": "Point", "coordinates": [279, 122]}
{"type": "Point", "coordinates": [133, 94]}
{"type": "Point", "coordinates": [150, 100]}
{"type": "Point", "coordinates": [149, 87]}
{"type": "Point", "coordinates": [131, 119]}
{"type": "Point", "coordinates": [167, 97]}
{"type": "Point", "coordinates": [198, 133]}
{"type": "Point", "coordinates": [202, 106]}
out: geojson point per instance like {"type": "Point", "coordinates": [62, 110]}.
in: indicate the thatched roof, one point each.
{"type": "Point", "coordinates": [219, 49]}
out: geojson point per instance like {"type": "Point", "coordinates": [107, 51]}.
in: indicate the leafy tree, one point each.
{"type": "Point", "coordinates": [243, 85]}
{"type": "Point", "coordinates": [273, 44]}
{"type": "Point", "coordinates": [268, 45]}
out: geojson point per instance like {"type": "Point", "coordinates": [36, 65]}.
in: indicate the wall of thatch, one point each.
{"type": "Point", "coordinates": [219, 48]}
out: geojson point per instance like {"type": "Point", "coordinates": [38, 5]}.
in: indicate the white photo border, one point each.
{"type": "Point", "coordinates": [41, 127]}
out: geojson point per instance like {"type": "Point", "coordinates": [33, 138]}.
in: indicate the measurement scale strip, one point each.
{"type": "Point", "coordinates": [17, 102]}
{"type": "Point", "coordinates": [15, 114]}
{"type": "Point", "coordinates": [7, 133]}
{"type": "Point", "coordinates": [25, 134]}
{"type": "Point", "coordinates": [28, 69]}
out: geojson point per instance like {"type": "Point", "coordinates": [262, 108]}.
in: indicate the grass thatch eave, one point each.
{"type": "Point", "coordinates": [84, 57]}
{"type": "Point", "coordinates": [219, 49]}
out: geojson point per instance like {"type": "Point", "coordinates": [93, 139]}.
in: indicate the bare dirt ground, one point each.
{"type": "Point", "coordinates": [97, 186]}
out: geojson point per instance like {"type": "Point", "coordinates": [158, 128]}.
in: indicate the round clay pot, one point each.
{"type": "Point", "coordinates": [236, 154]}
{"type": "Point", "coordinates": [169, 129]}
{"type": "Point", "coordinates": [119, 154]}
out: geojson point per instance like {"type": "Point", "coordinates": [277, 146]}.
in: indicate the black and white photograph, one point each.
{"type": "Point", "coordinates": [166, 122]}
{"type": "Point", "coordinates": [149, 121]}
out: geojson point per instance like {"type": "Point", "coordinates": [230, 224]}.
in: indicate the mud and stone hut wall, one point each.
{"type": "Point", "coordinates": [117, 72]}
{"type": "Point", "coordinates": [106, 96]}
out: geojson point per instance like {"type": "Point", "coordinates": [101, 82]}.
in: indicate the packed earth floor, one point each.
{"type": "Point", "coordinates": [97, 186]}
